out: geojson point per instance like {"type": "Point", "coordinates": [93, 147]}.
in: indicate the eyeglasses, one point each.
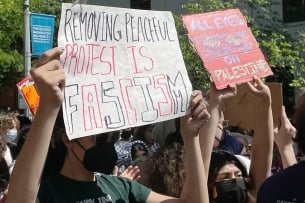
{"type": "Point", "coordinates": [248, 147]}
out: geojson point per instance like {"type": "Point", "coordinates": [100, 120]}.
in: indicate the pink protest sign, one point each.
{"type": "Point", "coordinates": [226, 46]}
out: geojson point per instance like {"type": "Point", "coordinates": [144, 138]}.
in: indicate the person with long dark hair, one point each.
{"type": "Point", "coordinates": [228, 180]}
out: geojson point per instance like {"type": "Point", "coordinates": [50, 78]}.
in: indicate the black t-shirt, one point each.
{"type": "Point", "coordinates": [286, 186]}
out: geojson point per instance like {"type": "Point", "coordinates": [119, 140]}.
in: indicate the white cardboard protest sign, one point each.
{"type": "Point", "coordinates": [124, 68]}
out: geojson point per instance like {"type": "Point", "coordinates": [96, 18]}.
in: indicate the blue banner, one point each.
{"type": "Point", "coordinates": [42, 32]}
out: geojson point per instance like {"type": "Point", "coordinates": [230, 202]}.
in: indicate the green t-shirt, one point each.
{"type": "Point", "coordinates": [106, 189]}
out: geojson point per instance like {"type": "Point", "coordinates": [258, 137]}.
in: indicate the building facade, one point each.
{"type": "Point", "coordinates": [291, 11]}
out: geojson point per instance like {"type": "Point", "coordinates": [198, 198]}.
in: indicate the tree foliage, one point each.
{"type": "Point", "coordinates": [11, 42]}
{"type": "Point", "coordinates": [11, 35]}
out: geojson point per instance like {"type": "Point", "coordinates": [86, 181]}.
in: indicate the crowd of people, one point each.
{"type": "Point", "coordinates": [195, 158]}
{"type": "Point", "coordinates": [153, 166]}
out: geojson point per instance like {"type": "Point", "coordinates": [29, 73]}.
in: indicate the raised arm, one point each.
{"type": "Point", "coordinates": [208, 131]}
{"type": "Point", "coordinates": [283, 137]}
{"type": "Point", "coordinates": [195, 179]}
{"type": "Point", "coordinates": [195, 187]}
{"type": "Point", "coordinates": [262, 143]}
{"type": "Point", "coordinates": [49, 79]}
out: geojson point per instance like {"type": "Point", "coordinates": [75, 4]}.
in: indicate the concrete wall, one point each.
{"type": "Point", "coordinates": [161, 5]}
{"type": "Point", "coordinates": [291, 27]}
{"type": "Point", "coordinates": [168, 5]}
{"type": "Point", "coordinates": [176, 7]}
{"type": "Point", "coordinates": [113, 3]}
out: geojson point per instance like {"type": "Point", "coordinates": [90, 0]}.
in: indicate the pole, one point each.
{"type": "Point", "coordinates": [26, 43]}
{"type": "Point", "coordinates": [27, 40]}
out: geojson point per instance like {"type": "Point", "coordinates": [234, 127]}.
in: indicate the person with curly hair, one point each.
{"type": "Point", "coordinates": [3, 145]}
{"type": "Point", "coordinates": [9, 124]}
{"type": "Point", "coordinates": [164, 171]}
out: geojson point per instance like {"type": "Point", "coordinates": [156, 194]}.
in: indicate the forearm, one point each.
{"type": "Point", "coordinates": [207, 136]}
{"type": "Point", "coordinates": [287, 156]}
{"type": "Point", "coordinates": [25, 179]}
{"type": "Point", "coordinates": [283, 138]}
{"type": "Point", "coordinates": [262, 147]}
{"type": "Point", "coordinates": [195, 185]}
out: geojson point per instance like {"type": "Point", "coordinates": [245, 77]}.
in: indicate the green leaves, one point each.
{"type": "Point", "coordinates": [11, 41]}
{"type": "Point", "coordinates": [11, 35]}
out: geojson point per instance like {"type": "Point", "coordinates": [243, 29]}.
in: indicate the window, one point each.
{"type": "Point", "coordinates": [293, 10]}
{"type": "Point", "coordinates": [140, 4]}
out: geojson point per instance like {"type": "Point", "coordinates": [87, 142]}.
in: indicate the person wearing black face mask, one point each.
{"type": "Point", "coordinates": [100, 158]}
{"type": "Point", "coordinates": [231, 191]}
{"type": "Point", "coordinates": [227, 180]}
{"type": "Point", "coordinates": [74, 183]}
{"type": "Point", "coordinates": [224, 168]}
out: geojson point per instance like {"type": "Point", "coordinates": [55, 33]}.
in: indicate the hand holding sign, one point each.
{"type": "Point", "coordinates": [190, 124]}
{"type": "Point", "coordinates": [47, 64]}
{"type": "Point", "coordinates": [261, 91]}
{"type": "Point", "coordinates": [49, 78]}
{"type": "Point", "coordinates": [218, 98]}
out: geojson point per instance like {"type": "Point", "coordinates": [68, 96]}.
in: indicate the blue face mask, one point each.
{"type": "Point", "coordinates": [11, 135]}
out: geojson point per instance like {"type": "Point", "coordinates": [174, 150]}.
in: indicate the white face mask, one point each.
{"type": "Point", "coordinates": [11, 135]}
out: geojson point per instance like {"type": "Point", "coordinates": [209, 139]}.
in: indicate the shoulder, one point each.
{"type": "Point", "coordinates": [48, 188]}
{"type": "Point", "coordinates": [56, 183]}
{"type": "Point", "coordinates": [51, 179]}
{"type": "Point", "coordinates": [275, 187]}
{"type": "Point", "coordinates": [52, 182]}
{"type": "Point", "coordinates": [135, 190]}
{"type": "Point", "coordinates": [291, 173]}
{"type": "Point", "coordinates": [117, 181]}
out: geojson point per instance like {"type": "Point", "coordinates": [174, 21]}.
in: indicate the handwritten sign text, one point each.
{"type": "Point", "coordinates": [124, 69]}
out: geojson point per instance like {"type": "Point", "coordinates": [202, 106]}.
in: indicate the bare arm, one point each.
{"type": "Point", "coordinates": [262, 143]}
{"type": "Point", "coordinates": [283, 139]}
{"type": "Point", "coordinates": [208, 131]}
{"type": "Point", "coordinates": [195, 187]}
{"type": "Point", "coordinates": [49, 78]}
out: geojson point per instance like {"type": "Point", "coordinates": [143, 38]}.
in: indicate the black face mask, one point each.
{"type": "Point", "coordinates": [100, 158]}
{"type": "Point", "coordinates": [231, 191]}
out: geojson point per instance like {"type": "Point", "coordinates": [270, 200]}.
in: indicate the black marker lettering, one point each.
{"type": "Point", "coordinates": [67, 26]}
